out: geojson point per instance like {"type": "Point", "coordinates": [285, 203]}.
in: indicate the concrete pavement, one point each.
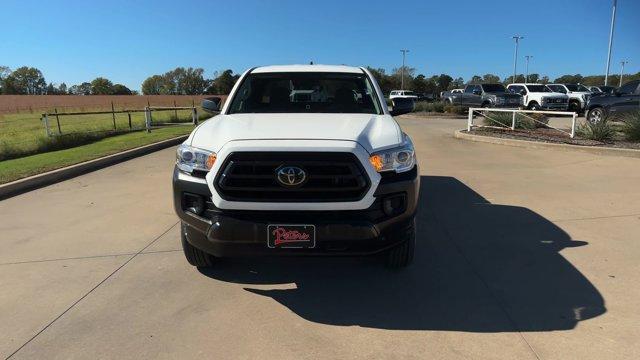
{"type": "Point", "coordinates": [522, 254]}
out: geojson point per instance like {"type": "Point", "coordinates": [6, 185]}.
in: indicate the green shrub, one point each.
{"type": "Point", "coordinates": [429, 106]}
{"type": "Point", "coordinates": [523, 121]}
{"type": "Point", "coordinates": [455, 109]}
{"type": "Point", "coordinates": [600, 131]}
{"type": "Point", "coordinates": [631, 127]}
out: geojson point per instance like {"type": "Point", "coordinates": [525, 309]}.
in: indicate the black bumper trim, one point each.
{"type": "Point", "coordinates": [239, 233]}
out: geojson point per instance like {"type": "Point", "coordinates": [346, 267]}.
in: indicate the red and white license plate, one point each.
{"type": "Point", "coordinates": [291, 236]}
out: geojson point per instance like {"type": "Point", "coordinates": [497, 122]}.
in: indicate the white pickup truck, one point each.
{"type": "Point", "coordinates": [578, 95]}
{"type": "Point", "coordinates": [540, 97]}
{"type": "Point", "coordinates": [281, 172]}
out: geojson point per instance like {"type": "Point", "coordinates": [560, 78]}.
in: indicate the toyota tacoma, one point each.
{"type": "Point", "coordinates": [300, 160]}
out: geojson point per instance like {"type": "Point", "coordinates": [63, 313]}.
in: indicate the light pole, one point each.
{"type": "Point", "coordinates": [613, 21]}
{"type": "Point", "coordinates": [527, 76]}
{"type": "Point", "coordinates": [623, 62]}
{"type": "Point", "coordinates": [517, 38]}
{"type": "Point", "coordinates": [404, 53]}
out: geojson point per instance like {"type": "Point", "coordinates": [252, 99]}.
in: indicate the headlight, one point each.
{"type": "Point", "coordinates": [399, 159]}
{"type": "Point", "coordinates": [189, 158]}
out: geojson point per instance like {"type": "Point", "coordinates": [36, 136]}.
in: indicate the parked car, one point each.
{"type": "Point", "coordinates": [443, 94]}
{"type": "Point", "coordinates": [540, 97]}
{"type": "Point", "coordinates": [406, 94]}
{"type": "Point", "coordinates": [485, 95]}
{"type": "Point", "coordinates": [599, 90]}
{"type": "Point", "coordinates": [624, 100]}
{"type": "Point", "coordinates": [578, 95]}
{"type": "Point", "coordinates": [281, 175]}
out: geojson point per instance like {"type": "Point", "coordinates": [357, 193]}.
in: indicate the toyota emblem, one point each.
{"type": "Point", "coordinates": [291, 175]}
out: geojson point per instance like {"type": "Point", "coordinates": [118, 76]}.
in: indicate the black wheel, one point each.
{"type": "Point", "coordinates": [448, 101]}
{"type": "Point", "coordinates": [486, 105]}
{"type": "Point", "coordinates": [534, 106]}
{"type": "Point", "coordinates": [574, 106]}
{"type": "Point", "coordinates": [402, 255]}
{"type": "Point", "coordinates": [596, 115]}
{"type": "Point", "coordinates": [195, 256]}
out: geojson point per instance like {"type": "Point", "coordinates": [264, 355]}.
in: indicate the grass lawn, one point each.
{"type": "Point", "coordinates": [23, 134]}
{"type": "Point", "coordinates": [15, 169]}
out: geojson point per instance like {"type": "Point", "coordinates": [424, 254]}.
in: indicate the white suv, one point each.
{"type": "Point", "coordinates": [540, 97]}
{"type": "Point", "coordinates": [301, 160]}
{"type": "Point", "coordinates": [578, 95]}
{"type": "Point", "coordinates": [402, 94]}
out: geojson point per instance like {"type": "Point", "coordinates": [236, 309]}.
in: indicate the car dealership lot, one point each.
{"type": "Point", "coordinates": [521, 254]}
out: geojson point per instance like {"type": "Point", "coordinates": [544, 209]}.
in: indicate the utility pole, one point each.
{"type": "Point", "coordinates": [623, 62]}
{"type": "Point", "coordinates": [404, 53]}
{"type": "Point", "coordinates": [527, 76]}
{"type": "Point", "coordinates": [613, 22]}
{"type": "Point", "coordinates": [517, 38]}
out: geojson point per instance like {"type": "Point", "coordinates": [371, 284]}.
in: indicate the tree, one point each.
{"type": "Point", "coordinates": [419, 84]}
{"type": "Point", "coordinates": [154, 85]}
{"type": "Point", "coordinates": [443, 81]}
{"type": "Point", "coordinates": [62, 89]}
{"type": "Point", "coordinates": [223, 83]}
{"type": "Point", "coordinates": [25, 81]}
{"type": "Point", "coordinates": [491, 78]}
{"type": "Point", "coordinates": [4, 72]}
{"type": "Point", "coordinates": [119, 89]}
{"type": "Point", "coordinates": [192, 82]}
{"type": "Point", "coordinates": [101, 86]}
{"type": "Point", "coordinates": [569, 79]}
{"type": "Point", "coordinates": [475, 79]}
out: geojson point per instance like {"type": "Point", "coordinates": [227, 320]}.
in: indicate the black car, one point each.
{"type": "Point", "coordinates": [624, 100]}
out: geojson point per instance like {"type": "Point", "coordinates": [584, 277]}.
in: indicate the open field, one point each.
{"type": "Point", "coordinates": [15, 169]}
{"type": "Point", "coordinates": [38, 103]}
{"type": "Point", "coordinates": [522, 254]}
{"type": "Point", "coordinates": [24, 134]}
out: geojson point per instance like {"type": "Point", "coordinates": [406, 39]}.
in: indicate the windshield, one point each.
{"type": "Point", "coordinates": [494, 88]}
{"type": "Point", "coordinates": [577, 88]}
{"type": "Point", "coordinates": [538, 88]}
{"type": "Point", "coordinates": [309, 92]}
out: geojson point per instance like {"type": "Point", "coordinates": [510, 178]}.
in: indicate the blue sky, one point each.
{"type": "Point", "coordinates": [126, 41]}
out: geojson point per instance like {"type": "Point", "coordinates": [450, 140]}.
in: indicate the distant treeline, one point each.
{"type": "Point", "coordinates": [191, 81]}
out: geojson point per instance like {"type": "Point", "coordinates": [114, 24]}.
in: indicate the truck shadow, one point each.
{"type": "Point", "coordinates": [479, 267]}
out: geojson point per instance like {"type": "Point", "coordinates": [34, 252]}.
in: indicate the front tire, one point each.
{"type": "Point", "coordinates": [574, 106]}
{"type": "Point", "coordinates": [596, 115]}
{"type": "Point", "coordinates": [534, 106]}
{"type": "Point", "coordinates": [402, 255]}
{"type": "Point", "coordinates": [195, 256]}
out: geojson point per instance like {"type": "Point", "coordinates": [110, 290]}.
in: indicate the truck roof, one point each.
{"type": "Point", "coordinates": [307, 68]}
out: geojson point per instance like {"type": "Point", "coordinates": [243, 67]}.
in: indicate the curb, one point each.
{"type": "Point", "coordinates": [460, 134]}
{"type": "Point", "coordinates": [51, 177]}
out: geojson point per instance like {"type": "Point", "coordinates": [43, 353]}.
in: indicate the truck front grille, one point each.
{"type": "Point", "coordinates": [330, 177]}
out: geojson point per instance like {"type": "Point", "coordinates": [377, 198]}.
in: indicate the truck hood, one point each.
{"type": "Point", "coordinates": [372, 132]}
{"type": "Point", "coordinates": [549, 94]}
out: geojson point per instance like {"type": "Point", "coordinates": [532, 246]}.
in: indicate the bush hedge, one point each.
{"type": "Point", "coordinates": [631, 127]}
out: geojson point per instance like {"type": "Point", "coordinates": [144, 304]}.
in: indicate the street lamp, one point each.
{"type": "Point", "coordinates": [527, 76]}
{"type": "Point", "coordinates": [404, 53]}
{"type": "Point", "coordinates": [517, 38]}
{"type": "Point", "coordinates": [613, 21]}
{"type": "Point", "coordinates": [623, 62]}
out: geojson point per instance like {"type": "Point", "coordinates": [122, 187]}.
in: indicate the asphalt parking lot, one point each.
{"type": "Point", "coordinates": [521, 254]}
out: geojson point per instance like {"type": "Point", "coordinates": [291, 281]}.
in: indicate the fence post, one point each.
{"type": "Point", "coordinates": [513, 121]}
{"type": "Point", "coordinates": [113, 114]}
{"type": "Point", "coordinates": [194, 116]}
{"type": "Point", "coordinates": [573, 125]}
{"type": "Point", "coordinates": [175, 111]}
{"type": "Point", "coordinates": [470, 119]}
{"type": "Point", "coordinates": [58, 121]}
{"type": "Point", "coordinates": [129, 114]}
{"type": "Point", "coordinates": [147, 119]}
{"type": "Point", "coordinates": [46, 124]}
{"type": "Point", "coordinates": [149, 106]}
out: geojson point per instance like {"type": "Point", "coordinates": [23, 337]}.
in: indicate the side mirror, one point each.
{"type": "Point", "coordinates": [523, 92]}
{"type": "Point", "coordinates": [401, 106]}
{"type": "Point", "coordinates": [211, 105]}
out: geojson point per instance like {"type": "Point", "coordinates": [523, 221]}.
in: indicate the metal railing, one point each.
{"type": "Point", "coordinates": [148, 110]}
{"type": "Point", "coordinates": [483, 112]}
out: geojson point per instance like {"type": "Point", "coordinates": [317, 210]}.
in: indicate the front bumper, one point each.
{"type": "Point", "coordinates": [561, 107]}
{"type": "Point", "coordinates": [243, 233]}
